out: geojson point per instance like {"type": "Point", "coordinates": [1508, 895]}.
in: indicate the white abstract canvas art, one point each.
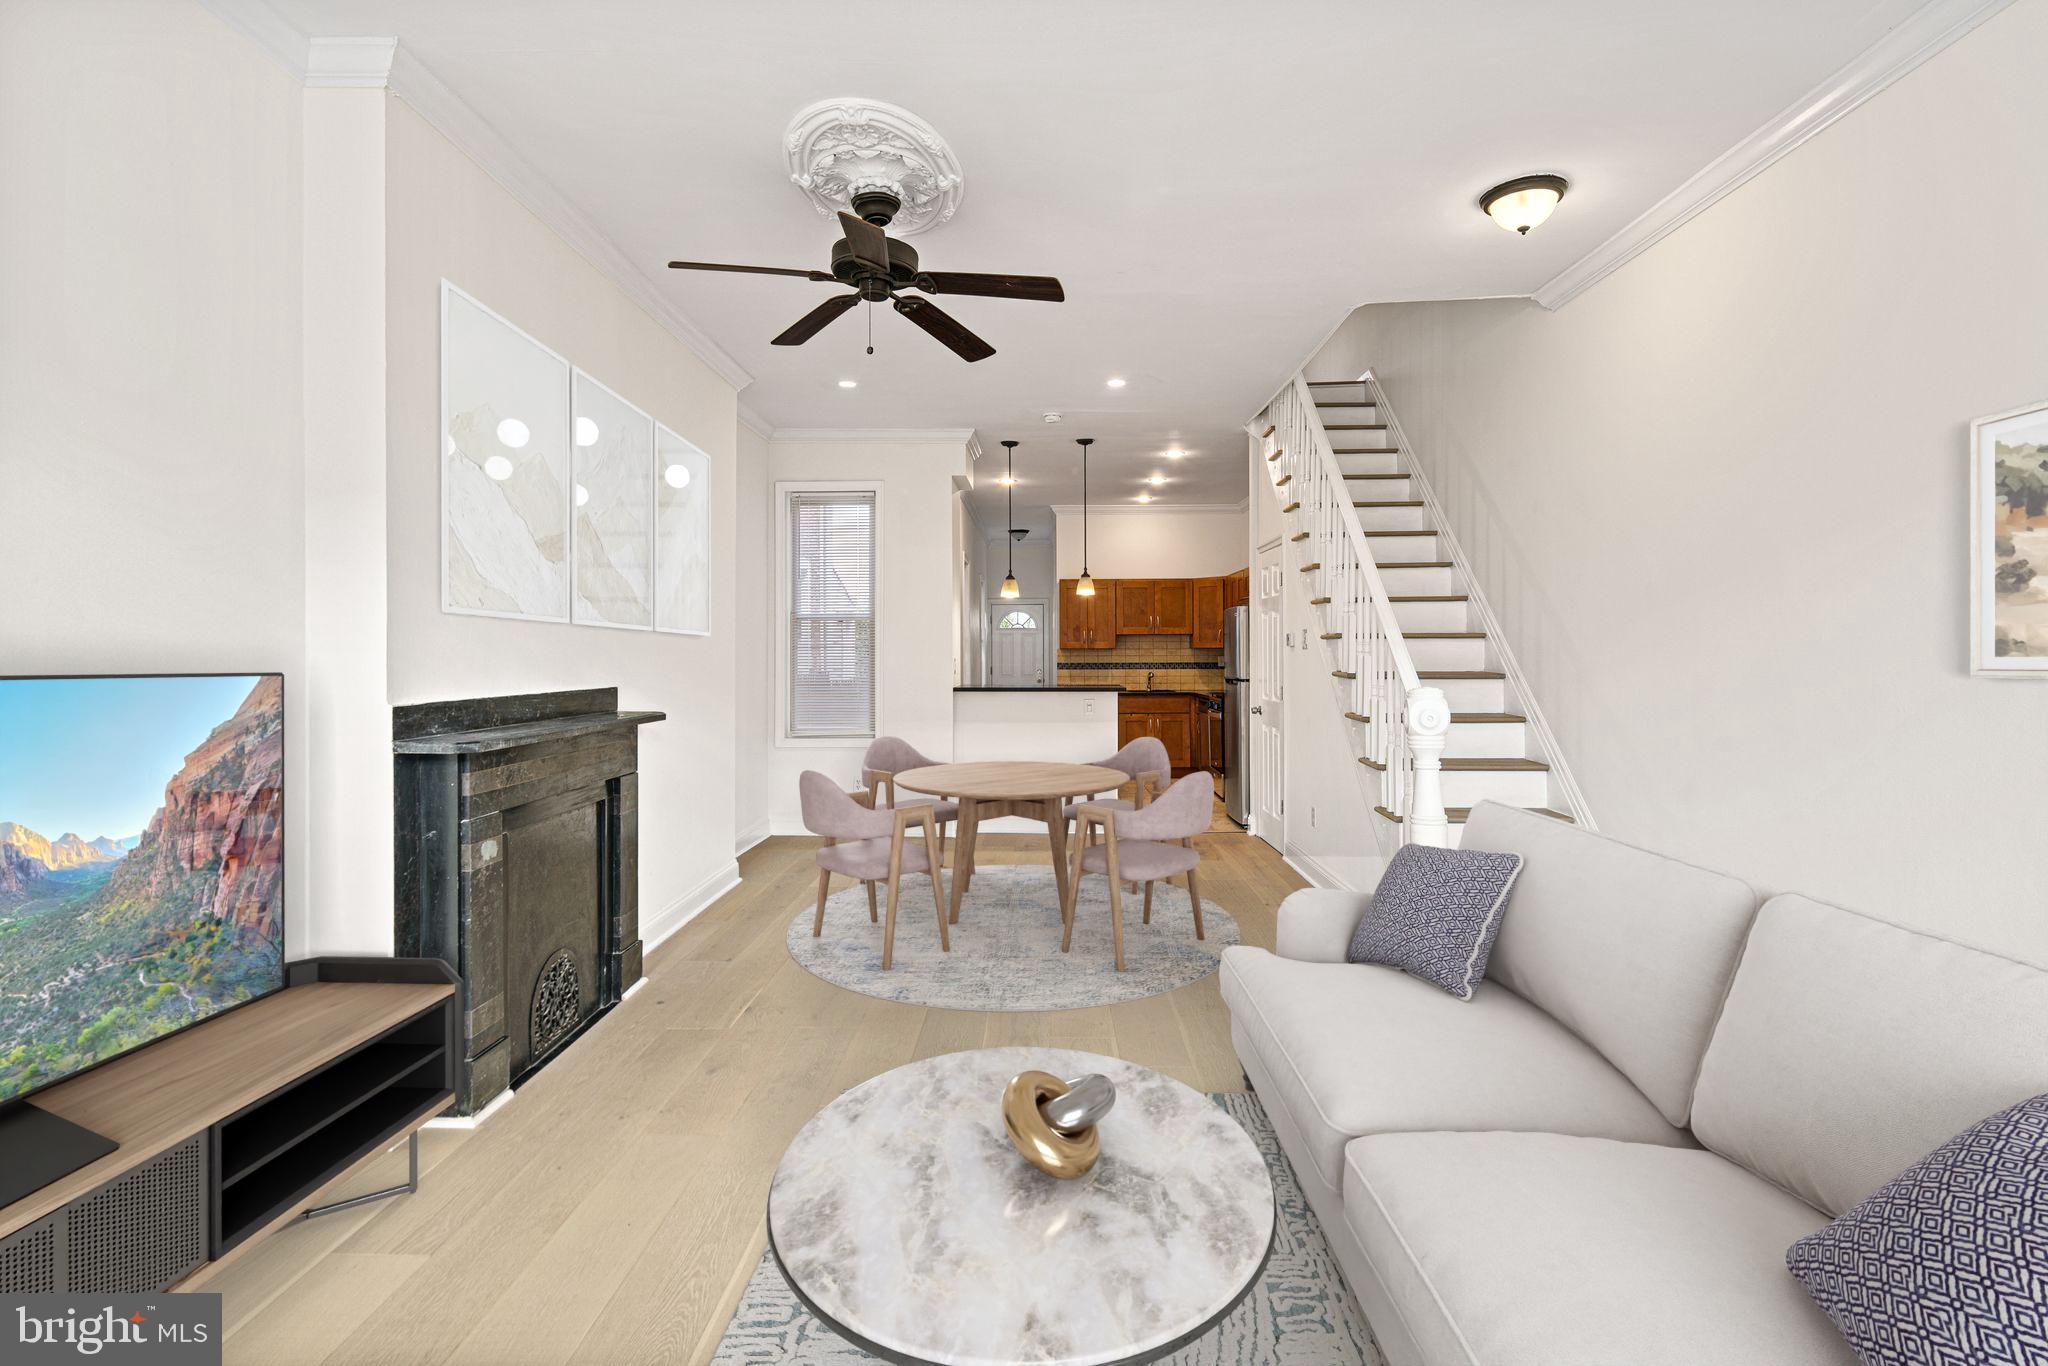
{"type": "Point", "coordinates": [682, 555]}
{"type": "Point", "coordinates": [614, 509]}
{"type": "Point", "coordinates": [504, 467]}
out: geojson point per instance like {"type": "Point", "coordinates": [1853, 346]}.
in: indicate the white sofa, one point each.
{"type": "Point", "coordinates": [1601, 1158]}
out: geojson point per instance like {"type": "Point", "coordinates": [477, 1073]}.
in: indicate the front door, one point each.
{"type": "Point", "coordinates": [1269, 666]}
{"type": "Point", "coordinates": [1017, 643]}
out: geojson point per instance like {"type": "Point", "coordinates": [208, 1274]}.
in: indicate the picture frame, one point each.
{"type": "Point", "coordinates": [612, 548]}
{"type": "Point", "coordinates": [2009, 543]}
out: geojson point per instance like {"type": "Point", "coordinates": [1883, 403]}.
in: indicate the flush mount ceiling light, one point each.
{"type": "Point", "coordinates": [849, 384]}
{"type": "Point", "coordinates": [1521, 204]}
{"type": "Point", "coordinates": [1117, 381]}
{"type": "Point", "coordinates": [513, 433]}
{"type": "Point", "coordinates": [1175, 453]}
{"type": "Point", "coordinates": [1010, 589]}
{"type": "Point", "coordinates": [1086, 587]}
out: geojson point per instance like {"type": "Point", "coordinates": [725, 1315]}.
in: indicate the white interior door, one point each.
{"type": "Point", "coordinates": [1017, 649]}
{"type": "Point", "coordinates": [1269, 669]}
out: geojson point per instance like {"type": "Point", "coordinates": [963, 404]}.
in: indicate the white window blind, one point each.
{"type": "Point", "coordinates": [832, 614]}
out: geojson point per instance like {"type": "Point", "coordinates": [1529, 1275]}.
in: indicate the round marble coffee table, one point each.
{"type": "Point", "coordinates": [903, 1218]}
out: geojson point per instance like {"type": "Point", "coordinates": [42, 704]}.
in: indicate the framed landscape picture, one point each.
{"type": "Point", "coordinates": [2009, 543]}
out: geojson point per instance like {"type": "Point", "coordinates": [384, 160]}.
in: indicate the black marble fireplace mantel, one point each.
{"type": "Point", "coordinates": [518, 864]}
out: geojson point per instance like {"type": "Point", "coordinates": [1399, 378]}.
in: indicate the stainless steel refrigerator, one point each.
{"type": "Point", "coordinates": [1237, 732]}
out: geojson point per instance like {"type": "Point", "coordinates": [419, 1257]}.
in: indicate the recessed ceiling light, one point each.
{"type": "Point", "coordinates": [1156, 480]}
{"type": "Point", "coordinates": [499, 468]}
{"type": "Point", "coordinates": [1005, 480]}
{"type": "Point", "coordinates": [1116, 381]}
{"type": "Point", "coordinates": [1519, 205]}
{"type": "Point", "coordinates": [513, 432]}
{"type": "Point", "coordinates": [586, 432]}
{"type": "Point", "coordinates": [677, 476]}
{"type": "Point", "coordinates": [1144, 497]}
{"type": "Point", "coordinates": [849, 384]}
{"type": "Point", "coordinates": [1174, 453]}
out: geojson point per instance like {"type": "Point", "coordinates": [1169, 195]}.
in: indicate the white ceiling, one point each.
{"type": "Point", "coordinates": [1216, 183]}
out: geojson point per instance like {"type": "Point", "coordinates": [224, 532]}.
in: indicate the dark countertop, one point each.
{"type": "Point", "coordinates": [492, 738]}
{"type": "Point", "coordinates": [1042, 687]}
{"type": "Point", "coordinates": [1202, 693]}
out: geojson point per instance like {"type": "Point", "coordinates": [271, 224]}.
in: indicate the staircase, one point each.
{"type": "Point", "coordinates": [1436, 711]}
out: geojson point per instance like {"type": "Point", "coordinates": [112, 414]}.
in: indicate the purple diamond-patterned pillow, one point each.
{"type": "Point", "coordinates": [1435, 914]}
{"type": "Point", "coordinates": [1947, 1265]}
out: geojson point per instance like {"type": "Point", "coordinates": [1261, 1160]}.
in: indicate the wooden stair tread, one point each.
{"type": "Point", "coordinates": [1312, 564]}
{"type": "Point", "coordinates": [1291, 507]}
{"type": "Point", "coordinates": [1355, 427]}
{"type": "Point", "coordinates": [1457, 814]}
{"type": "Point", "coordinates": [1414, 564]}
{"type": "Point", "coordinates": [1283, 479]}
{"type": "Point", "coordinates": [1389, 503]}
{"type": "Point", "coordinates": [1268, 432]}
{"type": "Point", "coordinates": [1332, 383]}
{"type": "Point", "coordinates": [1318, 602]}
{"type": "Point", "coordinates": [1459, 673]}
{"type": "Point", "coordinates": [1299, 536]}
{"type": "Point", "coordinates": [1401, 533]}
{"type": "Point", "coordinates": [1345, 403]}
{"type": "Point", "coordinates": [1428, 597]}
{"type": "Point", "coordinates": [1464, 718]}
{"type": "Point", "coordinates": [1275, 456]}
{"type": "Point", "coordinates": [1365, 450]}
{"type": "Point", "coordinates": [1379, 476]}
{"type": "Point", "coordinates": [1339, 673]}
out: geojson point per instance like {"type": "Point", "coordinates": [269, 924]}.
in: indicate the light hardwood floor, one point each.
{"type": "Point", "coordinates": [611, 1214]}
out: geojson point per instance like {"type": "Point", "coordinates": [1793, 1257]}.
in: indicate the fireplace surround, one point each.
{"type": "Point", "coordinates": [517, 823]}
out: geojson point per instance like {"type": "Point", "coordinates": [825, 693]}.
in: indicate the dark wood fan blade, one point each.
{"type": "Point", "coordinates": [815, 321]}
{"type": "Point", "coordinates": [870, 245]}
{"type": "Point", "coordinates": [946, 328]}
{"type": "Point", "coordinates": [1041, 287]}
{"type": "Point", "coordinates": [752, 270]}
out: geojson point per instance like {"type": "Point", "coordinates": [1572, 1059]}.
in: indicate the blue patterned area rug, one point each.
{"type": "Point", "coordinates": [1006, 945]}
{"type": "Point", "coordinates": [1299, 1314]}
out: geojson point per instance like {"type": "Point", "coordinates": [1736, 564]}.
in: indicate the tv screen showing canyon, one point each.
{"type": "Point", "coordinates": [141, 862]}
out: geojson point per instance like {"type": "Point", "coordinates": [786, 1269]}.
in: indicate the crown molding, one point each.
{"type": "Point", "coordinates": [350, 63]}
{"type": "Point", "coordinates": [1126, 508]}
{"type": "Point", "coordinates": [1912, 42]}
{"type": "Point", "coordinates": [368, 63]}
{"type": "Point", "coordinates": [755, 423]}
{"type": "Point", "coordinates": [950, 436]}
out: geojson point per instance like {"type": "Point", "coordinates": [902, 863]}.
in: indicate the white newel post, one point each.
{"type": "Point", "coordinates": [1429, 720]}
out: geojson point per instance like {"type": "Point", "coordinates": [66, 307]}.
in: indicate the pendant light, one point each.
{"type": "Point", "coordinates": [1086, 587]}
{"type": "Point", "coordinates": [1010, 589]}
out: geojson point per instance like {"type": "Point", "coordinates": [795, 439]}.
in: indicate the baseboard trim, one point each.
{"type": "Point", "coordinates": [751, 836]}
{"type": "Point", "coordinates": [687, 907]}
{"type": "Point", "coordinates": [497, 1103]}
{"type": "Point", "coordinates": [1312, 868]}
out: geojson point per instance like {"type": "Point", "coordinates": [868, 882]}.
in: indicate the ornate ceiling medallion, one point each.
{"type": "Point", "coordinates": [840, 148]}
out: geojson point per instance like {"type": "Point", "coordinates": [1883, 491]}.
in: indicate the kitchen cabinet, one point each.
{"type": "Point", "coordinates": [1088, 623]}
{"type": "Point", "coordinates": [1207, 597]}
{"type": "Point", "coordinates": [1167, 717]}
{"type": "Point", "coordinates": [1154, 607]}
{"type": "Point", "coordinates": [1237, 589]}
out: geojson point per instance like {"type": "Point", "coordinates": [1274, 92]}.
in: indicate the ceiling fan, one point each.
{"type": "Point", "coordinates": [877, 266]}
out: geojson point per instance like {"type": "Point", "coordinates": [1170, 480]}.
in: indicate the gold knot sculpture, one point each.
{"type": "Point", "coordinates": [1053, 1122]}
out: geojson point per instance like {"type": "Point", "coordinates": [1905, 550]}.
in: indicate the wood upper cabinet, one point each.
{"type": "Point", "coordinates": [1134, 607]}
{"type": "Point", "coordinates": [1237, 590]}
{"type": "Point", "coordinates": [1207, 599]}
{"type": "Point", "coordinates": [1088, 623]}
{"type": "Point", "coordinates": [1172, 608]}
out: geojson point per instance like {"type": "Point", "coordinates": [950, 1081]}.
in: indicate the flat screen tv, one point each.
{"type": "Point", "coordinates": [141, 872]}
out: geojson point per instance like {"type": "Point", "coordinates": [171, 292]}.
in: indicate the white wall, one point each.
{"type": "Point", "coordinates": [447, 218]}
{"type": "Point", "coordinates": [1719, 504]}
{"type": "Point", "coordinates": [1129, 542]}
{"type": "Point", "coordinates": [151, 509]}
{"type": "Point", "coordinates": [754, 632]}
{"type": "Point", "coordinates": [918, 631]}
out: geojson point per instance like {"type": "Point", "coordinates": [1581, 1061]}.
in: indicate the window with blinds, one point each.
{"type": "Point", "coordinates": [832, 614]}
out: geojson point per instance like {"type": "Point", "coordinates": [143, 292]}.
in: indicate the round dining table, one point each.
{"type": "Point", "coordinates": [986, 791]}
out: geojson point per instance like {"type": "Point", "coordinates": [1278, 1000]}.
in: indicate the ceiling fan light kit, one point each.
{"type": "Point", "coordinates": [1525, 202]}
{"type": "Point", "coordinates": [890, 168]}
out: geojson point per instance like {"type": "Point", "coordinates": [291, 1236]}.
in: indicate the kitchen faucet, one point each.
{"type": "Point", "coordinates": [1148, 680]}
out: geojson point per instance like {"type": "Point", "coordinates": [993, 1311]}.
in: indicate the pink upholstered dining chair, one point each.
{"type": "Point", "coordinates": [1143, 845]}
{"type": "Point", "coordinates": [889, 756]}
{"type": "Point", "coordinates": [868, 846]}
{"type": "Point", "coordinates": [1144, 761]}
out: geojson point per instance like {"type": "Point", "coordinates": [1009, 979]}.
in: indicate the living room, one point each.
{"type": "Point", "coordinates": [1498, 824]}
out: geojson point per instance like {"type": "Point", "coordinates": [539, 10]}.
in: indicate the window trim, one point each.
{"type": "Point", "coordinates": [784, 488]}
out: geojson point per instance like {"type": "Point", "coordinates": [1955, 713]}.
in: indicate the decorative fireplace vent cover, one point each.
{"type": "Point", "coordinates": [557, 996]}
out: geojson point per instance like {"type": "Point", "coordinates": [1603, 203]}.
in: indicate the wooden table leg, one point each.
{"type": "Point", "coordinates": [963, 853]}
{"type": "Point", "coordinates": [1056, 836]}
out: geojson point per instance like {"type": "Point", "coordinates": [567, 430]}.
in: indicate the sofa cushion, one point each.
{"type": "Point", "coordinates": [1951, 1256]}
{"type": "Point", "coordinates": [1527, 1249]}
{"type": "Point", "coordinates": [1631, 950]}
{"type": "Point", "coordinates": [1435, 914]}
{"type": "Point", "coordinates": [1851, 1048]}
{"type": "Point", "coordinates": [1357, 1049]}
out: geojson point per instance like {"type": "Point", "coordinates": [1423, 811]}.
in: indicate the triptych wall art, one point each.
{"type": "Point", "coordinates": [560, 500]}
{"type": "Point", "coordinates": [2009, 543]}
